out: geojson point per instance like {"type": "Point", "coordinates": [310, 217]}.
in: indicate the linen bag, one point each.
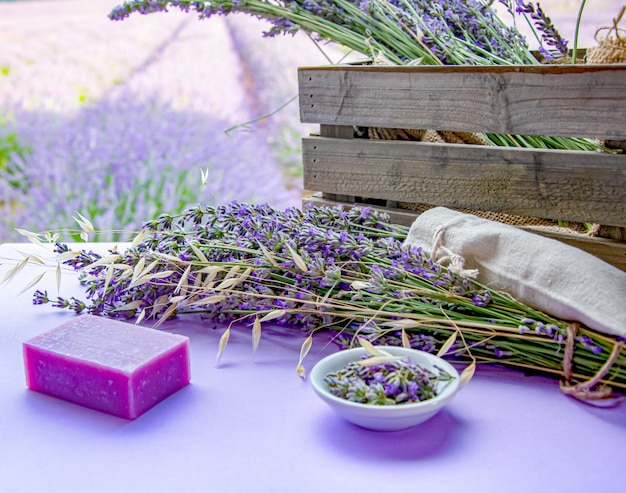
{"type": "Point", "coordinates": [546, 274]}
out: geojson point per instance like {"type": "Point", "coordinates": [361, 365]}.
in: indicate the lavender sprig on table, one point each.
{"type": "Point", "coordinates": [346, 272]}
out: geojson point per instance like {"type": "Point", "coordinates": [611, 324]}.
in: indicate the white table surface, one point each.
{"type": "Point", "coordinates": [253, 426]}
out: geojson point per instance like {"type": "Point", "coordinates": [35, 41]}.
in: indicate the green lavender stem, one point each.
{"type": "Point", "coordinates": [576, 32]}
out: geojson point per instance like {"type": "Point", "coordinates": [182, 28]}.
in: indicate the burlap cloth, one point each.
{"type": "Point", "coordinates": [611, 49]}
{"type": "Point", "coordinates": [611, 46]}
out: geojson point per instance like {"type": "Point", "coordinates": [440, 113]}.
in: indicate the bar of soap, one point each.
{"type": "Point", "coordinates": [108, 365]}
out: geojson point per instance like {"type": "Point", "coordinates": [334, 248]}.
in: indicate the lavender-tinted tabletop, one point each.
{"type": "Point", "coordinates": [251, 425]}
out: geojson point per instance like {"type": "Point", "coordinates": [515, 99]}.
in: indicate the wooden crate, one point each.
{"type": "Point", "coordinates": [573, 186]}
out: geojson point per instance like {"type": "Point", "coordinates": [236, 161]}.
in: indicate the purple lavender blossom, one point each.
{"type": "Point", "coordinates": [549, 35]}
{"type": "Point", "coordinates": [481, 298]}
{"type": "Point", "coordinates": [501, 353]}
{"type": "Point", "coordinates": [588, 343]}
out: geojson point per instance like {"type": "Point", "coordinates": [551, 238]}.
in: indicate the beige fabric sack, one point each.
{"type": "Point", "coordinates": [556, 278]}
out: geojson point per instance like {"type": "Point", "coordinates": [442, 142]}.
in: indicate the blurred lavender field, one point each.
{"type": "Point", "coordinates": [117, 120]}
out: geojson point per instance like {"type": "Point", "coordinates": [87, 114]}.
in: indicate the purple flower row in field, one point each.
{"type": "Point", "coordinates": [121, 162]}
{"type": "Point", "coordinates": [124, 135]}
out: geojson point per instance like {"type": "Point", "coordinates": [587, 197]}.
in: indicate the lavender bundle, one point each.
{"type": "Point", "coordinates": [346, 272]}
{"type": "Point", "coordinates": [442, 32]}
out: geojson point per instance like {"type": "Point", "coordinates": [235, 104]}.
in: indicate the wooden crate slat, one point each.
{"type": "Point", "coordinates": [611, 251]}
{"type": "Point", "coordinates": [562, 185]}
{"type": "Point", "coordinates": [576, 100]}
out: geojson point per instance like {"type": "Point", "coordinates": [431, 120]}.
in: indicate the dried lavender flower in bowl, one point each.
{"type": "Point", "coordinates": [393, 390]}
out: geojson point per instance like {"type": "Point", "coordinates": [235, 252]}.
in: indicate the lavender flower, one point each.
{"type": "Point", "coordinates": [481, 299]}
{"type": "Point", "coordinates": [40, 297]}
{"type": "Point", "coordinates": [588, 343]}
{"type": "Point", "coordinates": [549, 35]}
{"type": "Point", "coordinates": [498, 352]}
{"type": "Point", "coordinates": [540, 328]}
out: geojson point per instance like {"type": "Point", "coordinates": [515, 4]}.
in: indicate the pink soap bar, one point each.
{"type": "Point", "coordinates": [115, 367]}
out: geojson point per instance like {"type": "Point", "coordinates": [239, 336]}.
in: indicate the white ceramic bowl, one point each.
{"type": "Point", "coordinates": [377, 417]}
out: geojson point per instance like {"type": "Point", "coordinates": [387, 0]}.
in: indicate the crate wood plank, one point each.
{"type": "Point", "coordinates": [575, 100]}
{"type": "Point", "coordinates": [565, 185]}
{"type": "Point", "coordinates": [611, 251]}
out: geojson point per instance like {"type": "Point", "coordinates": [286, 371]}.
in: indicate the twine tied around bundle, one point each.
{"type": "Point", "coordinates": [443, 256]}
{"type": "Point", "coordinates": [611, 48]}
{"type": "Point", "coordinates": [590, 390]}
